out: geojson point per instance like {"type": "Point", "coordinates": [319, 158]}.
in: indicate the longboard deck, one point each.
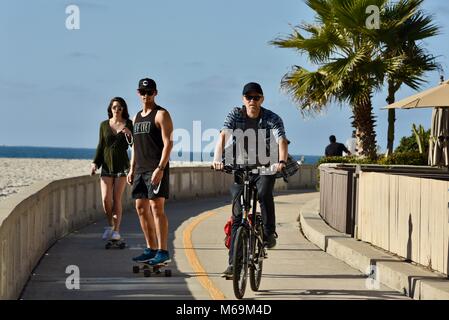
{"type": "Point", "coordinates": [115, 244]}
{"type": "Point", "coordinates": [149, 269]}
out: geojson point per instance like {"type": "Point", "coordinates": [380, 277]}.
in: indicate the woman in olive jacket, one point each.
{"type": "Point", "coordinates": [112, 157]}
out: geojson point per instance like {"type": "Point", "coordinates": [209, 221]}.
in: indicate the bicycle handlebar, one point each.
{"type": "Point", "coordinates": [230, 169]}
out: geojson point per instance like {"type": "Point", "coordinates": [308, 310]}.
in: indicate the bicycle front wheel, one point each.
{"type": "Point", "coordinates": [255, 269]}
{"type": "Point", "coordinates": [240, 259]}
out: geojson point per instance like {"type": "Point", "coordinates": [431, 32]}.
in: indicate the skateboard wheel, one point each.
{"type": "Point", "coordinates": [107, 246]}
{"type": "Point", "coordinates": [136, 269]}
{"type": "Point", "coordinates": [147, 273]}
{"type": "Point", "coordinates": [122, 245]}
{"type": "Point", "coordinates": [168, 273]}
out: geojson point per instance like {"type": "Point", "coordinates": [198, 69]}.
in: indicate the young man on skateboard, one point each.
{"type": "Point", "coordinates": [149, 172]}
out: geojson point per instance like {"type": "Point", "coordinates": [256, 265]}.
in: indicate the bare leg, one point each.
{"type": "Point", "coordinates": [161, 222]}
{"type": "Point", "coordinates": [119, 188]}
{"type": "Point", "coordinates": [146, 222]}
{"type": "Point", "coordinates": [107, 185]}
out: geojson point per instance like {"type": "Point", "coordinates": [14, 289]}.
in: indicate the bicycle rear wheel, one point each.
{"type": "Point", "coordinates": [240, 261]}
{"type": "Point", "coordinates": [255, 269]}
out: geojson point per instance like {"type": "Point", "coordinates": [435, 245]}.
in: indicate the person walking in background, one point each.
{"type": "Point", "coordinates": [112, 157]}
{"type": "Point", "coordinates": [335, 149]}
{"type": "Point", "coordinates": [351, 144]}
{"type": "Point", "coordinates": [149, 173]}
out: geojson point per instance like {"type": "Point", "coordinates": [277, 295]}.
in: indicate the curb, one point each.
{"type": "Point", "coordinates": [413, 281]}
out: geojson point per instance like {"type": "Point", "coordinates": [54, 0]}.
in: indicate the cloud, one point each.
{"type": "Point", "coordinates": [442, 9]}
{"type": "Point", "coordinates": [88, 5]}
{"type": "Point", "coordinates": [74, 90]}
{"type": "Point", "coordinates": [214, 82]}
{"type": "Point", "coordinates": [17, 84]}
{"type": "Point", "coordinates": [195, 64]}
{"type": "Point", "coordinates": [80, 54]}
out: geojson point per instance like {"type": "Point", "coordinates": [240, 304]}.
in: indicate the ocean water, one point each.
{"type": "Point", "coordinates": [86, 153]}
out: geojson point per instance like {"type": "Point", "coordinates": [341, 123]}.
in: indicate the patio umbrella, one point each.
{"type": "Point", "coordinates": [431, 98]}
{"type": "Point", "coordinates": [437, 98]}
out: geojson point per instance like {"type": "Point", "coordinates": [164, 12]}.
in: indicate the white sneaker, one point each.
{"type": "Point", "coordinates": [115, 235]}
{"type": "Point", "coordinates": [107, 233]}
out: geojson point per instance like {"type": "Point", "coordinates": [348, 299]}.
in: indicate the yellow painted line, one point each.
{"type": "Point", "coordinates": [202, 276]}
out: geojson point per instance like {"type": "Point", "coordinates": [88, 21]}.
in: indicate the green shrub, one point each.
{"type": "Point", "coordinates": [398, 158]}
{"type": "Point", "coordinates": [409, 144]}
{"type": "Point", "coordinates": [352, 160]}
{"type": "Point", "coordinates": [404, 158]}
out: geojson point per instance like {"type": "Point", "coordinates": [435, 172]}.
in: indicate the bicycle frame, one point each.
{"type": "Point", "coordinates": [251, 228]}
{"type": "Point", "coordinates": [248, 203]}
{"type": "Point", "coordinates": [248, 245]}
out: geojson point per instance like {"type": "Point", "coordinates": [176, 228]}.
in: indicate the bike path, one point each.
{"type": "Point", "coordinates": [295, 269]}
{"type": "Point", "coordinates": [107, 274]}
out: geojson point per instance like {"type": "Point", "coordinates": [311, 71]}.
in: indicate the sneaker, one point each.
{"type": "Point", "coordinates": [270, 241]}
{"type": "Point", "coordinates": [107, 233]}
{"type": "Point", "coordinates": [146, 255]}
{"type": "Point", "coordinates": [161, 257]}
{"type": "Point", "coordinates": [228, 273]}
{"type": "Point", "coordinates": [115, 236]}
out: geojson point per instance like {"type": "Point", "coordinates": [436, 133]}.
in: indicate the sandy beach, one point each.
{"type": "Point", "coordinates": [19, 173]}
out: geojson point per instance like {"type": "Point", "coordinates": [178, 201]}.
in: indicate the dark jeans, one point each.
{"type": "Point", "coordinates": [265, 186]}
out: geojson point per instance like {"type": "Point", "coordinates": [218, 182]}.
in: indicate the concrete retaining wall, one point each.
{"type": "Point", "coordinates": [31, 221]}
{"type": "Point", "coordinates": [407, 216]}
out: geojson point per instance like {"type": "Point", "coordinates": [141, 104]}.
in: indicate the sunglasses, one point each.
{"type": "Point", "coordinates": [117, 108]}
{"type": "Point", "coordinates": [255, 98]}
{"type": "Point", "coordinates": [143, 92]}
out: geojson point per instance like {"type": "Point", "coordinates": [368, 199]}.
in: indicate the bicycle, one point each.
{"type": "Point", "coordinates": [249, 249]}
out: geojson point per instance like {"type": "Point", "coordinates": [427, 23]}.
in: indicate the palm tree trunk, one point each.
{"type": "Point", "coordinates": [364, 121]}
{"type": "Point", "coordinates": [391, 117]}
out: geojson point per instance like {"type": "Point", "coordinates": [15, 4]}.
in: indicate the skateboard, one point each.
{"type": "Point", "coordinates": [148, 270]}
{"type": "Point", "coordinates": [115, 244]}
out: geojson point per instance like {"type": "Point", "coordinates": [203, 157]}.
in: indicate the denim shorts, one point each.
{"type": "Point", "coordinates": [105, 173]}
{"type": "Point", "coordinates": [143, 189]}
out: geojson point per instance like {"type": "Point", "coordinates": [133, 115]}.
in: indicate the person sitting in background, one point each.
{"type": "Point", "coordinates": [335, 149]}
{"type": "Point", "coordinates": [351, 144]}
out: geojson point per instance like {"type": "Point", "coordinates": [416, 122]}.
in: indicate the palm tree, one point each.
{"type": "Point", "coordinates": [353, 60]}
{"type": "Point", "coordinates": [350, 64]}
{"type": "Point", "coordinates": [403, 26]}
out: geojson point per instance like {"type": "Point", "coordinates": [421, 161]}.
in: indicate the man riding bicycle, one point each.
{"type": "Point", "coordinates": [258, 139]}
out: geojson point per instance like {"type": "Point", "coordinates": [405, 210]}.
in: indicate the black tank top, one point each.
{"type": "Point", "coordinates": [148, 143]}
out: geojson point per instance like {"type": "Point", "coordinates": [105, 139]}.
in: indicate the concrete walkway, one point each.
{"type": "Point", "coordinates": [295, 269]}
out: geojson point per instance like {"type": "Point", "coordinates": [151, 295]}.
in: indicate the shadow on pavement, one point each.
{"type": "Point", "coordinates": [107, 274]}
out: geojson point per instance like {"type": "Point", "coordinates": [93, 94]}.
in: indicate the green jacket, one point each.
{"type": "Point", "coordinates": [112, 149]}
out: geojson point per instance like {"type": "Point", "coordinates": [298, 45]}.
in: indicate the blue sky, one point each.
{"type": "Point", "coordinates": [55, 83]}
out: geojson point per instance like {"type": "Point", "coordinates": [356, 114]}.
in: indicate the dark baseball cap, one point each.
{"type": "Point", "coordinates": [147, 84]}
{"type": "Point", "coordinates": [252, 87]}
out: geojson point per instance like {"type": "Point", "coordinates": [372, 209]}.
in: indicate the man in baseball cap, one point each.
{"type": "Point", "coordinates": [147, 85]}
{"type": "Point", "coordinates": [149, 172]}
{"type": "Point", "coordinates": [254, 120]}
{"type": "Point", "coordinates": [252, 87]}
